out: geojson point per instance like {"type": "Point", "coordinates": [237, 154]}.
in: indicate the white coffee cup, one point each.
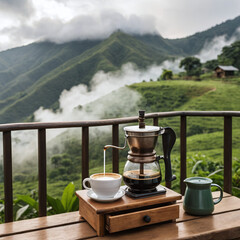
{"type": "Point", "coordinates": [104, 185]}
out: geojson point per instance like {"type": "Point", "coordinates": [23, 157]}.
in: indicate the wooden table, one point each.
{"type": "Point", "coordinates": [223, 224]}
{"type": "Point", "coordinates": [128, 213]}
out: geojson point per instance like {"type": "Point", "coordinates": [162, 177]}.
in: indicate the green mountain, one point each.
{"type": "Point", "coordinates": [35, 75]}
{"type": "Point", "coordinates": [35, 88]}
{"type": "Point", "coordinates": [194, 44]}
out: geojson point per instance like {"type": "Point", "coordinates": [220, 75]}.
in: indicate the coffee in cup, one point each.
{"type": "Point", "coordinates": [104, 185]}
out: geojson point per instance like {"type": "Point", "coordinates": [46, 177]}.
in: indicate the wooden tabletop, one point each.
{"type": "Point", "coordinates": [224, 223]}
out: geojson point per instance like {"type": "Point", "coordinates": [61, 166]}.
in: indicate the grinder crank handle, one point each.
{"type": "Point", "coordinates": [120, 148]}
{"type": "Point", "coordinates": [168, 140]}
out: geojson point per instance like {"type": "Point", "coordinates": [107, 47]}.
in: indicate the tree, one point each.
{"type": "Point", "coordinates": [211, 64]}
{"type": "Point", "coordinates": [230, 55]}
{"type": "Point", "coordinates": [66, 166]}
{"type": "Point", "coordinates": [166, 74]}
{"type": "Point", "coordinates": [56, 160]}
{"type": "Point", "coordinates": [192, 66]}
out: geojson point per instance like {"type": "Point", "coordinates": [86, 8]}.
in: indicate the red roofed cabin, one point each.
{"type": "Point", "coordinates": [225, 71]}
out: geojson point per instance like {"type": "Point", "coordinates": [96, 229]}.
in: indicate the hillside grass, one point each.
{"type": "Point", "coordinates": [180, 95]}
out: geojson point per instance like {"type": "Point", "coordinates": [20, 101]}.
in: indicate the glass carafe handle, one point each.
{"type": "Point", "coordinates": [168, 140]}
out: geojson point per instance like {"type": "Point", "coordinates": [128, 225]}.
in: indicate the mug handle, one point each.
{"type": "Point", "coordinates": [84, 183]}
{"type": "Point", "coordinates": [221, 193]}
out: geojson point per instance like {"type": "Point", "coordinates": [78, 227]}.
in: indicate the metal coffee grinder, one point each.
{"type": "Point", "coordinates": [142, 173]}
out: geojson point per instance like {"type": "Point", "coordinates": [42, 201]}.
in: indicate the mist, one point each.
{"type": "Point", "coordinates": [213, 48]}
{"type": "Point", "coordinates": [73, 102]}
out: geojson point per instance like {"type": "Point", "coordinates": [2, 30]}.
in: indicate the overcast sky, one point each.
{"type": "Point", "coordinates": [26, 21]}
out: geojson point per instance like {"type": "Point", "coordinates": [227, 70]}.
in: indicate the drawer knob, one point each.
{"type": "Point", "coordinates": [147, 219]}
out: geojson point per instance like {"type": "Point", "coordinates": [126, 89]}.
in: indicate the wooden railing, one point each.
{"type": "Point", "coordinates": [85, 125]}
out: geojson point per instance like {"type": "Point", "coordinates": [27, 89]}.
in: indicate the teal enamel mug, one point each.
{"type": "Point", "coordinates": [198, 196]}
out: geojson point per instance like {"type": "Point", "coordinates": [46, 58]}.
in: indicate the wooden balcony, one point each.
{"type": "Point", "coordinates": [85, 125]}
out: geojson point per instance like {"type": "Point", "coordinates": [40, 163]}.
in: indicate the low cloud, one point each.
{"type": "Point", "coordinates": [99, 26]}
{"type": "Point", "coordinates": [20, 8]}
{"type": "Point", "coordinates": [26, 21]}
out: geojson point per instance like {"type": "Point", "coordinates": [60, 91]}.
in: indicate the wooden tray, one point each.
{"type": "Point", "coordinates": [127, 212]}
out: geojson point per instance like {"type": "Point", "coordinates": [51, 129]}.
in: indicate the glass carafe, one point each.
{"type": "Point", "coordinates": [142, 177]}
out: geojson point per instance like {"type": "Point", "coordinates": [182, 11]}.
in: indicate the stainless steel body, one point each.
{"type": "Point", "coordinates": [142, 142]}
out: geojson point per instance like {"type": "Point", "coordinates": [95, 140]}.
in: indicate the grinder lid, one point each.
{"type": "Point", "coordinates": [141, 127]}
{"type": "Point", "coordinates": [145, 129]}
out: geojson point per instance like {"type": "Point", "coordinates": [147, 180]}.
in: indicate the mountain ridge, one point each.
{"type": "Point", "coordinates": [191, 44]}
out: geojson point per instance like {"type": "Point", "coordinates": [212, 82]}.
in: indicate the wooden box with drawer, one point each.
{"type": "Point", "coordinates": [127, 212]}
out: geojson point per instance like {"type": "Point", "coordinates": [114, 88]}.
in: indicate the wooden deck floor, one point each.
{"type": "Point", "coordinates": [223, 224]}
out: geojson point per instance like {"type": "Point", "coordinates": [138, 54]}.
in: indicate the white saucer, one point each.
{"type": "Point", "coordinates": [117, 196]}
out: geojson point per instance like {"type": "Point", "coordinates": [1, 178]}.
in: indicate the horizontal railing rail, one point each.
{"type": "Point", "coordinates": [6, 129]}
{"type": "Point", "coordinates": [104, 122]}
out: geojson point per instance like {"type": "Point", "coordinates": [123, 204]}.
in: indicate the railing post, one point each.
{"type": "Point", "coordinates": [85, 153]}
{"type": "Point", "coordinates": [42, 173]}
{"type": "Point", "coordinates": [155, 121]}
{"type": "Point", "coordinates": [7, 162]}
{"type": "Point", "coordinates": [115, 152]}
{"type": "Point", "coordinates": [183, 153]}
{"type": "Point", "coordinates": [228, 154]}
